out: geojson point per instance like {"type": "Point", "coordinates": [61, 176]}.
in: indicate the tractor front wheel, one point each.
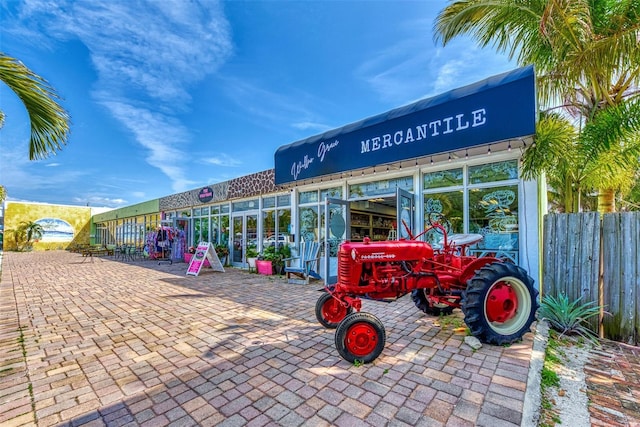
{"type": "Point", "coordinates": [330, 311]}
{"type": "Point", "coordinates": [500, 303]}
{"type": "Point", "coordinates": [360, 337]}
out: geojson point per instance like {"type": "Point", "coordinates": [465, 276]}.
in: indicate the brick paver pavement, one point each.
{"type": "Point", "coordinates": [94, 341]}
{"type": "Point", "coordinates": [613, 385]}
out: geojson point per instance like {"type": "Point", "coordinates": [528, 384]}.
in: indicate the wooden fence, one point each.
{"type": "Point", "coordinates": [597, 260]}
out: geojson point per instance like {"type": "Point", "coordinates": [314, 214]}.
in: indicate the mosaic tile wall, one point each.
{"type": "Point", "coordinates": [246, 186]}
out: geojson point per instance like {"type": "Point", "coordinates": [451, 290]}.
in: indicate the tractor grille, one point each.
{"type": "Point", "coordinates": [344, 265]}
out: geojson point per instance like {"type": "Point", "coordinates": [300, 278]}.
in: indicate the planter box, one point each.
{"type": "Point", "coordinates": [264, 267]}
{"type": "Point", "coordinates": [187, 259]}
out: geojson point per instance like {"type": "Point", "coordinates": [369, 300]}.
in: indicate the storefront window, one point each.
{"type": "Point", "coordinates": [308, 223]}
{"type": "Point", "coordinates": [284, 200]}
{"type": "Point", "coordinates": [332, 193]}
{"type": "Point", "coordinates": [308, 197]}
{"type": "Point", "coordinates": [441, 179]}
{"type": "Point", "coordinates": [446, 209]}
{"type": "Point", "coordinates": [284, 223]}
{"type": "Point", "coordinates": [492, 208]}
{"type": "Point", "coordinates": [378, 188]}
{"type": "Point", "coordinates": [493, 212]}
{"type": "Point", "coordinates": [493, 172]}
{"type": "Point", "coordinates": [224, 230]}
{"type": "Point", "coordinates": [196, 231]}
{"type": "Point", "coordinates": [215, 230]}
{"type": "Point", "coordinates": [245, 205]}
{"type": "Point", "coordinates": [268, 227]}
{"type": "Point", "coordinates": [268, 202]}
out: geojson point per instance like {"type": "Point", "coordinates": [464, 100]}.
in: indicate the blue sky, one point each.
{"type": "Point", "coordinates": [172, 95]}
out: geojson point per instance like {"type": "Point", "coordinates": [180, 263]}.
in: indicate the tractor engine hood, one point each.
{"type": "Point", "coordinates": [386, 251]}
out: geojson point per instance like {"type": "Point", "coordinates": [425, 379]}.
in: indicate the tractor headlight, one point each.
{"type": "Point", "coordinates": [353, 254]}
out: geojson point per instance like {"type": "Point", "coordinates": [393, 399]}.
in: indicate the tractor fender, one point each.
{"type": "Point", "coordinates": [471, 268]}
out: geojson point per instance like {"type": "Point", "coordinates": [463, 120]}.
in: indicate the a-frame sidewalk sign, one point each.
{"type": "Point", "coordinates": [204, 251]}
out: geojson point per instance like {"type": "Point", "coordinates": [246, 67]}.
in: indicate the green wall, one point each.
{"type": "Point", "coordinates": [144, 208]}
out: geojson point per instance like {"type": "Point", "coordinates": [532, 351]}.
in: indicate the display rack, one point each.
{"type": "Point", "coordinates": [375, 226]}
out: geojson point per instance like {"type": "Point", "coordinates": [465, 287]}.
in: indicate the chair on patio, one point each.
{"type": "Point", "coordinates": [305, 266]}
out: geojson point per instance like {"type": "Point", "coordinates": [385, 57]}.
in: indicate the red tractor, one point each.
{"type": "Point", "coordinates": [497, 298]}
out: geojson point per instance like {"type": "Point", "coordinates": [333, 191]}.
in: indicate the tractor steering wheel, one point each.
{"type": "Point", "coordinates": [436, 218]}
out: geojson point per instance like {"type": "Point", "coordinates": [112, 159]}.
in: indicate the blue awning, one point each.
{"type": "Point", "coordinates": [495, 109]}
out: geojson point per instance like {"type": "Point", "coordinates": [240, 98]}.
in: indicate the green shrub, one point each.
{"type": "Point", "coordinates": [568, 318]}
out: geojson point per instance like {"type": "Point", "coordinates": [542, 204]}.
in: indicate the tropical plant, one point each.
{"type": "Point", "coordinates": [576, 163]}
{"type": "Point", "coordinates": [568, 318]}
{"type": "Point", "coordinates": [222, 250]}
{"type": "Point", "coordinates": [586, 55]}
{"type": "Point", "coordinates": [25, 234]}
{"type": "Point", "coordinates": [252, 251]}
{"type": "Point", "coordinates": [49, 121]}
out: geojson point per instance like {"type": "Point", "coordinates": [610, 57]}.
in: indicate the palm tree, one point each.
{"type": "Point", "coordinates": [585, 53]}
{"type": "Point", "coordinates": [49, 121]}
{"type": "Point", "coordinates": [26, 233]}
{"type": "Point", "coordinates": [576, 163]}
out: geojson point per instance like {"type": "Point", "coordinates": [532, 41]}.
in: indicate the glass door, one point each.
{"type": "Point", "coordinates": [405, 215]}
{"type": "Point", "coordinates": [337, 229]}
{"type": "Point", "coordinates": [245, 237]}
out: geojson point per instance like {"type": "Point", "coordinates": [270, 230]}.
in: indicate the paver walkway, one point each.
{"type": "Point", "coordinates": [92, 341]}
{"type": "Point", "coordinates": [613, 385]}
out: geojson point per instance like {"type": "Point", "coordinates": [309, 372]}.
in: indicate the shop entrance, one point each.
{"type": "Point", "coordinates": [245, 236]}
{"type": "Point", "coordinates": [387, 217]}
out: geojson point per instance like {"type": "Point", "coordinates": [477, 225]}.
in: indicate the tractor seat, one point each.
{"type": "Point", "coordinates": [462, 239]}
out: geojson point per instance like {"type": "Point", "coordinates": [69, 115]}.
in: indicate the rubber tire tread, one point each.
{"type": "Point", "coordinates": [420, 300]}
{"type": "Point", "coordinates": [319, 304]}
{"type": "Point", "coordinates": [474, 296]}
{"type": "Point", "coordinates": [343, 328]}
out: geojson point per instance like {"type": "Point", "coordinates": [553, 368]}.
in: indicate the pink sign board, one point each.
{"type": "Point", "coordinates": [204, 252]}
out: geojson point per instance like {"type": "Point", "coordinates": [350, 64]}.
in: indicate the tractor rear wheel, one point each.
{"type": "Point", "coordinates": [500, 303]}
{"type": "Point", "coordinates": [420, 299]}
{"type": "Point", "coordinates": [330, 312]}
{"type": "Point", "coordinates": [360, 337]}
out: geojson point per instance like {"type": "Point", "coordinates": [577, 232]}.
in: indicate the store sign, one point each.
{"type": "Point", "coordinates": [205, 195]}
{"type": "Point", "coordinates": [495, 109]}
{"type": "Point", "coordinates": [204, 251]}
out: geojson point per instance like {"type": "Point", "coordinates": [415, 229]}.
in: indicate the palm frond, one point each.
{"type": "Point", "coordinates": [49, 121]}
{"type": "Point", "coordinates": [554, 146]}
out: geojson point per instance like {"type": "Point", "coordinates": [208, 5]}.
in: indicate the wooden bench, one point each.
{"type": "Point", "coordinates": [97, 250]}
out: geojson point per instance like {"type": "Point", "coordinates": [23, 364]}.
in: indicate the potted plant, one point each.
{"type": "Point", "coordinates": [252, 256]}
{"type": "Point", "coordinates": [282, 253]}
{"type": "Point", "coordinates": [189, 254]}
{"type": "Point", "coordinates": [264, 263]}
{"type": "Point", "coordinates": [223, 253]}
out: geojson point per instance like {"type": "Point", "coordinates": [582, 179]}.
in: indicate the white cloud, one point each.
{"type": "Point", "coordinates": [269, 107]}
{"type": "Point", "coordinates": [100, 201]}
{"type": "Point", "coordinates": [416, 67]}
{"type": "Point", "coordinates": [148, 55]}
{"type": "Point", "coordinates": [316, 127]}
{"type": "Point", "coordinates": [161, 135]}
{"type": "Point", "coordinates": [223, 160]}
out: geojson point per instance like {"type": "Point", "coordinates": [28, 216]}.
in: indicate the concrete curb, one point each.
{"type": "Point", "coordinates": [533, 394]}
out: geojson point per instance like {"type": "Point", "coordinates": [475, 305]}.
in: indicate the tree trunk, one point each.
{"type": "Point", "coordinates": [571, 197]}
{"type": "Point", "coordinates": [606, 200]}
